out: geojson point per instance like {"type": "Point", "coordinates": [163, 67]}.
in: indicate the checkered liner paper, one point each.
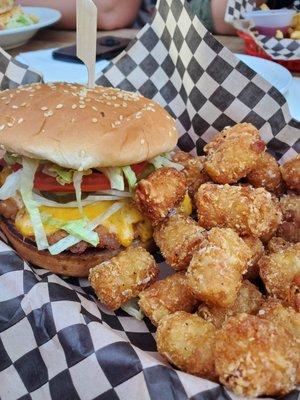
{"type": "Point", "coordinates": [278, 49]}
{"type": "Point", "coordinates": [58, 342]}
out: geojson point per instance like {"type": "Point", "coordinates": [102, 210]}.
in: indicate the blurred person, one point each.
{"type": "Point", "coordinates": [112, 14]}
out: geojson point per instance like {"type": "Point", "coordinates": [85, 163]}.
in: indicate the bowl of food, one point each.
{"type": "Point", "coordinates": [19, 24]}
{"type": "Point", "coordinates": [268, 22]}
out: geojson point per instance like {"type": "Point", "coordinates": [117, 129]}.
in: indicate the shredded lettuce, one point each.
{"type": "Point", "coordinates": [11, 185]}
{"type": "Point", "coordinates": [81, 230]}
{"type": "Point", "coordinates": [77, 179]}
{"type": "Point", "coordinates": [73, 204]}
{"type": "Point", "coordinates": [62, 175]}
{"type": "Point", "coordinates": [115, 176]}
{"type": "Point", "coordinates": [11, 159]}
{"type": "Point", "coordinates": [19, 20]}
{"type": "Point", "coordinates": [130, 176]}
{"type": "Point", "coordinates": [70, 240]}
{"type": "Point", "coordinates": [160, 161]}
{"type": "Point", "coordinates": [132, 308]}
{"type": "Point", "coordinates": [26, 184]}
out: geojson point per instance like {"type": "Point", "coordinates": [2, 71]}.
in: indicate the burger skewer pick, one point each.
{"type": "Point", "coordinates": [86, 36]}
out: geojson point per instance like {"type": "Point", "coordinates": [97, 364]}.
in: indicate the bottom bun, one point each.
{"type": "Point", "coordinates": [67, 263]}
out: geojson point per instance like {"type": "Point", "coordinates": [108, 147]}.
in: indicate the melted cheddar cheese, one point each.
{"type": "Point", "coordinates": [122, 223]}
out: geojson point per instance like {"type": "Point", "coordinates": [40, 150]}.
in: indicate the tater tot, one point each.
{"type": "Point", "coordinates": [161, 191]}
{"type": "Point", "coordinates": [287, 317]}
{"type": "Point", "coordinates": [257, 250]}
{"type": "Point", "coordinates": [215, 271]}
{"type": "Point", "coordinates": [233, 153]}
{"type": "Point", "coordinates": [277, 244]}
{"type": "Point", "coordinates": [178, 236]}
{"type": "Point", "coordinates": [187, 341]}
{"type": "Point", "coordinates": [166, 297]}
{"type": "Point", "coordinates": [290, 171]}
{"type": "Point", "coordinates": [280, 272]}
{"type": "Point", "coordinates": [247, 210]}
{"type": "Point", "coordinates": [255, 357]}
{"type": "Point", "coordinates": [248, 301]}
{"type": "Point", "coordinates": [266, 173]}
{"type": "Point", "coordinates": [193, 170]}
{"type": "Point", "coordinates": [273, 310]}
{"type": "Point", "coordinates": [289, 229]}
{"type": "Point", "coordinates": [118, 280]}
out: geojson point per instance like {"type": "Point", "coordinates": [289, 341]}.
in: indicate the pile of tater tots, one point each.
{"type": "Point", "coordinates": [230, 312]}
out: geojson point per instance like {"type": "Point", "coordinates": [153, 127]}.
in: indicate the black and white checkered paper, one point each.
{"type": "Point", "coordinates": [56, 341]}
{"type": "Point", "coordinates": [278, 49]}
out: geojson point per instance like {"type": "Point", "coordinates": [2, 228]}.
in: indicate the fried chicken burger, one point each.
{"type": "Point", "coordinates": [72, 157]}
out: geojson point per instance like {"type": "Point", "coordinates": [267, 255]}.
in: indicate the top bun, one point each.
{"type": "Point", "coordinates": [81, 128]}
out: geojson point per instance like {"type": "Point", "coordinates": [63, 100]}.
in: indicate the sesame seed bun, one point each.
{"type": "Point", "coordinates": [81, 128]}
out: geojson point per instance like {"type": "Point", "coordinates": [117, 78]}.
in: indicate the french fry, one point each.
{"type": "Point", "coordinates": [295, 35]}
{"type": "Point", "coordinates": [264, 7]}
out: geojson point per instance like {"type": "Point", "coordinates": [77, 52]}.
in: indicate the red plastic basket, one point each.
{"type": "Point", "coordinates": [253, 49]}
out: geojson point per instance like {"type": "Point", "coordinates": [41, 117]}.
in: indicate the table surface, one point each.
{"type": "Point", "coordinates": [49, 38]}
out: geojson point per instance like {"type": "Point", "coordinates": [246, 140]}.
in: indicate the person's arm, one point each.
{"type": "Point", "coordinates": [218, 9]}
{"type": "Point", "coordinates": [112, 14]}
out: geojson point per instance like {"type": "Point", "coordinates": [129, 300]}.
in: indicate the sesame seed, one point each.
{"type": "Point", "coordinates": [2, 147]}
{"type": "Point", "coordinates": [121, 117]}
{"type": "Point", "coordinates": [142, 141]}
{"type": "Point", "coordinates": [59, 106]}
{"type": "Point", "coordinates": [31, 95]}
{"type": "Point", "coordinates": [94, 120]}
{"type": "Point", "coordinates": [2, 127]}
{"type": "Point", "coordinates": [73, 120]}
{"type": "Point", "coordinates": [74, 106]}
{"type": "Point", "coordinates": [48, 113]}
{"type": "Point", "coordinates": [3, 98]}
{"type": "Point", "coordinates": [14, 106]}
{"type": "Point", "coordinates": [44, 108]}
{"type": "Point", "coordinates": [20, 120]}
{"type": "Point", "coordinates": [7, 102]}
{"type": "Point", "coordinates": [9, 124]}
{"type": "Point", "coordinates": [82, 105]}
{"type": "Point", "coordinates": [23, 104]}
{"type": "Point", "coordinates": [94, 108]}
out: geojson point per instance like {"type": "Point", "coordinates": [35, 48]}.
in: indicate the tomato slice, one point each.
{"type": "Point", "coordinates": [90, 183]}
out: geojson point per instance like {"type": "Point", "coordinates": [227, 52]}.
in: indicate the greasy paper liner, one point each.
{"type": "Point", "coordinates": [278, 49]}
{"type": "Point", "coordinates": [56, 340]}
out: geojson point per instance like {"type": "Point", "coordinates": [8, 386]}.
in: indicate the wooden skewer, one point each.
{"type": "Point", "coordinates": [86, 36]}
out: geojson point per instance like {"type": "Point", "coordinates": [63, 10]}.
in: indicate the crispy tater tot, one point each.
{"type": "Point", "coordinates": [290, 171]}
{"type": "Point", "coordinates": [178, 236]}
{"type": "Point", "coordinates": [273, 310]}
{"type": "Point", "coordinates": [233, 153]}
{"type": "Point", "coordinates": [266, 173]}
{"type": "Point", "coordinates": [123, 277]}
{"type": "Point", "coordinates": [280, 272]}
{"type": "Point", "coordinates": [248, 301]}
{"type": "Point", "coordinates": [289, 229]}
{"type": "Point", "coordinates": [257, 250]}
{"type": "Point", "coordinates": [161, 191]}
{"type": "Point", "coordinates": [215, 272]}
{"type": "Point", "coordinates": [287, 317]}
{"type": "Point", "coordinates": [166, 297]}
{"type": "Point", "coordinates": [247, 210]}
{"type": "Point", "coordinates": [187, 341]}
{"type": "Point", "coordinates": [277, 244]}
{"type": "Point", "coordinates": [193, 170]}
{"type": "Point", "coordinates": [255, 357]}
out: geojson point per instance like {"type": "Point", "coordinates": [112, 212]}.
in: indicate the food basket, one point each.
{"type": "Point", "coordinates": [253, 49]}
{"type": "Point", "coordinates": [56, 340]}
